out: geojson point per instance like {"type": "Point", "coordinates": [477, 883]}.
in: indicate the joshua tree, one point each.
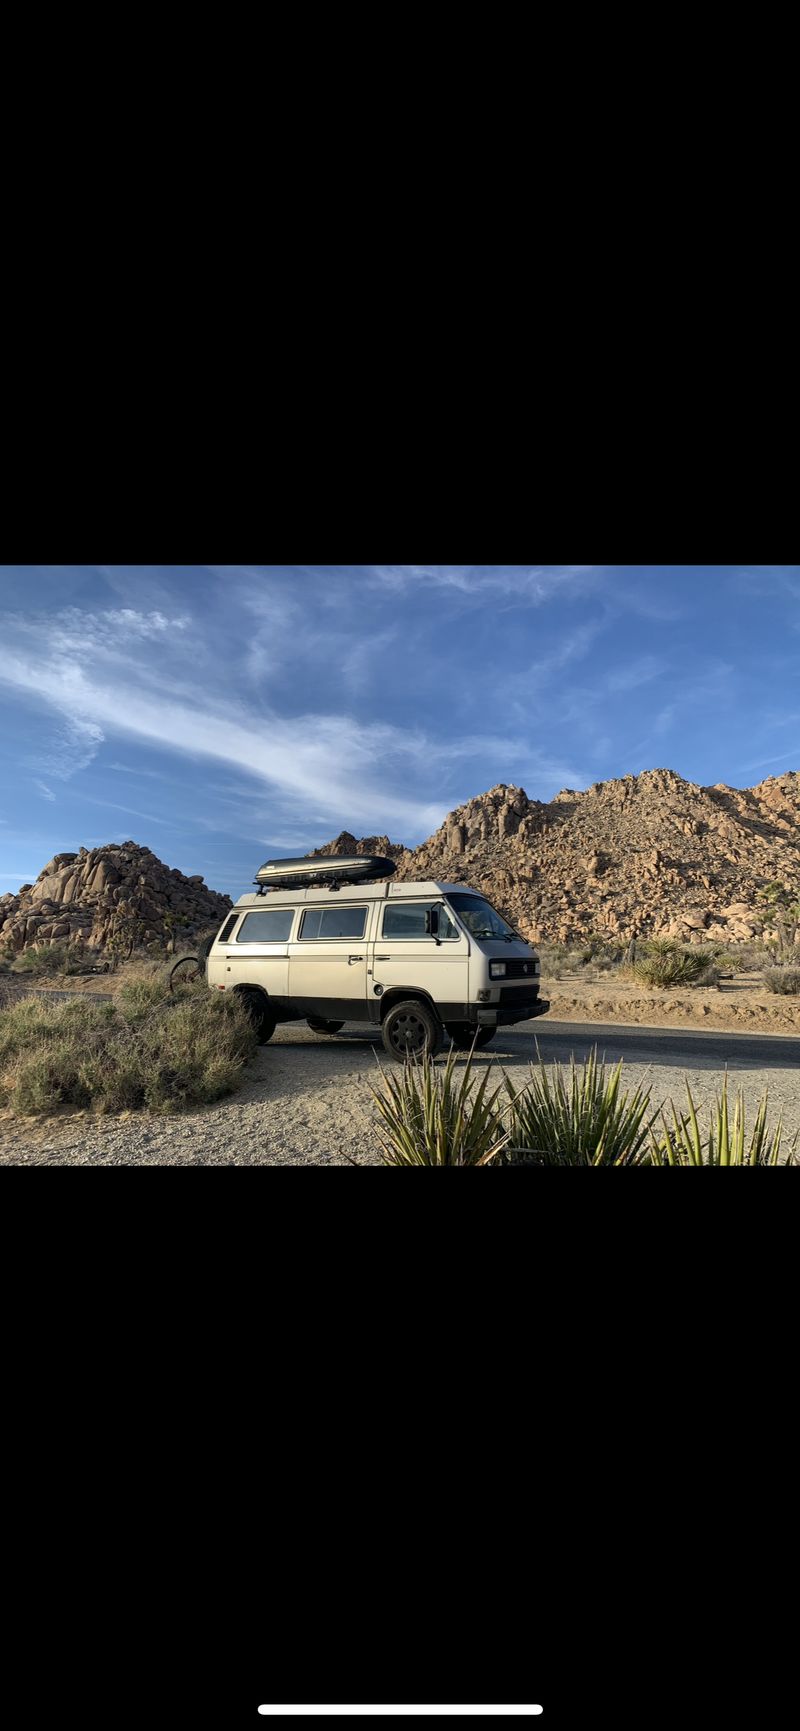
{"type": "Point", "coordinates": [780, 915]}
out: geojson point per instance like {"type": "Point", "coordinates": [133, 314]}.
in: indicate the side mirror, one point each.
{"type": "Point", "coordinates": [432, 924]}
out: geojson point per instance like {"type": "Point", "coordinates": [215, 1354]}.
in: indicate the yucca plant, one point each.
{"type": "Point", "coordinates": [576, 1118]}
{"type": "Point", "coordinates": [681, 1144]}
{"type": "Point", "coordinates": [435, 1117]}
{"type": "Point", "coordinates": [665, 963]}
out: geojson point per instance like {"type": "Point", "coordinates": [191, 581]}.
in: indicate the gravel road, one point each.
{"type": "Point", "coordinates": [307, 1101]}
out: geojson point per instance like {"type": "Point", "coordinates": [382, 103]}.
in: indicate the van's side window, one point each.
{"type": "Point", "coordinates": [417, 920]}
{"type": "Point", "coordinates": [270, 927]}
{"type": "Point", "coordinates": [340, 922]}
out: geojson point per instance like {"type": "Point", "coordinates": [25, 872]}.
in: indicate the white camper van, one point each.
{"type": "Point", "coordinates": [323, 940]}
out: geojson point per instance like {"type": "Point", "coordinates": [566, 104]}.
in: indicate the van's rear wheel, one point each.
{"type": "Point", "coordinates": [260, 1015]}
{"type": "Point", "coordinates": [318, 1025]}
{"type": "Point", "coordinates": [411, 1030]}
{"type": "Point", "coordinates": [462, 1035]}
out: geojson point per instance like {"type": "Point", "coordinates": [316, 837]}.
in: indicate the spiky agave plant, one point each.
{"type": "Point", "coordinates": [433, 1117]}
{"type": "Point", "coordinates": [681, 1144]}
{"type": "Point", "coordinates": [576, 1118]}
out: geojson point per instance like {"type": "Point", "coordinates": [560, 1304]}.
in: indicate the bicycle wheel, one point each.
{"type": "Point", "coordinates": [185, 972]}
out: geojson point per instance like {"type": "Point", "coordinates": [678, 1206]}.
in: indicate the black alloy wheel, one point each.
{"type": "Point", "coordinates": [411, 1030]}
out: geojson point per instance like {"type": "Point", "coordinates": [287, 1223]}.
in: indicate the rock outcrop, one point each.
{"type": "Point", "coordinates": [373, 844]}
{"type": "Point", "coordinates": [647, 855]}
{"type": "Point", "coordinates": [109, 894]}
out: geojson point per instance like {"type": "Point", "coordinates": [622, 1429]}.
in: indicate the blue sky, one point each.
{"type": "Point", "coordinates": [223, 714]}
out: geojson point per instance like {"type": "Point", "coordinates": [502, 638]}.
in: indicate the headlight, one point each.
{"type": "Point", "coordinates": [497, 970]}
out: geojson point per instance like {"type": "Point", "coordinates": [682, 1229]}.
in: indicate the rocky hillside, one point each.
{"type": "Point", "coordinates": [374, 844]}
{"type": "Point", "coordinates": [109, 897]}
{"type": "Point", "coordinates": [650, 854]}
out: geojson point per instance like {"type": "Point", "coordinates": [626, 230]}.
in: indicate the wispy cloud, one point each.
{"type": "Point", "coordinates": [45, 792]}
{"type": "Point", "coordinates": [92, 675]}
{"type": "Point", "coordinates": [784, 757]}
{"type": "Point", "coordinates": [112, 805]}
{"type": "Point", "coordinates": [664, 719]}
{"type": "Point", "coordinates": [533, 584]}
{"type": "Point", "coordinates": [640, 672]}
{"type": "Point", "coordinates": [133, 769]}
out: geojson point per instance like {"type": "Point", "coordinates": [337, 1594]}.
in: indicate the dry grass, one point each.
{"type": "Point", "coordinates": [147, 1050]}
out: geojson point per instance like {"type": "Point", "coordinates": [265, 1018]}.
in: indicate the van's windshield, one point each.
{"type": "Point", "coordinates": [479, 917]}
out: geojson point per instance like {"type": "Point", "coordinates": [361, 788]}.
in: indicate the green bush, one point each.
{"type": "Point", "coordinates": [785, 980]}
{"type": "Point", "coordinates": [168, 1054]}
{"type": "Point", "coordinates": [663, 962]}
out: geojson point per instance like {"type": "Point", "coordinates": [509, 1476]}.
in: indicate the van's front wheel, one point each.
{"type": "Point", "coordinates": [411, 1030]}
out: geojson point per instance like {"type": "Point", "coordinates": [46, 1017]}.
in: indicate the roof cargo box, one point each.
{"type": "Point", "coordinates": [330, 869]}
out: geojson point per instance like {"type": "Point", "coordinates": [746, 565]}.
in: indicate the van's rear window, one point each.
{"type": "Point", "coordinates": [270, 927]}
{"type": "Point", "coordinates": [341, 922]}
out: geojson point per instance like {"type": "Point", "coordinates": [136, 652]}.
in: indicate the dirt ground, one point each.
{"type": "Point", "coordinates": [742, 1005]}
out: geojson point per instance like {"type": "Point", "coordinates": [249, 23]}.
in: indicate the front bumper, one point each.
{"type": "Point", "coordinates": [503, 1015]}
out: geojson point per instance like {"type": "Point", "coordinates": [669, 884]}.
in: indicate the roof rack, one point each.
{"type": "Point", "coordinates": [329, 871]}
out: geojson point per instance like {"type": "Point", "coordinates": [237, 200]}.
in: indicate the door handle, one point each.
{"type": "Point", "coordinates": [383, 958]}
{"type": "Point", "coordinates": [352, 959]}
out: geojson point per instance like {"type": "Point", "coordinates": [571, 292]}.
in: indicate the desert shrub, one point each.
{"type": "Point", "coordinates": [551, 956]}
{"type": "Point", "coordinates": [780, 917]}
{"type": "Point", "coordinates": [604, 949]}
{"type": "Point", "coordinates": [726, 1144]}
{"type": "Point", "coordinates": [140, 993]}
{"type": "Point", "coordinates": [563, 959]}
{"type": "Point", "coordinates": [576, 1117]}
{"type": "Point", "coordinates": [431, 1117]}
{"type": "Point", "coordinates": [164, 1053]}
{"type": "Point", "coordinates": [43, 959]}
{"type": "Point", "coordinates": [663, 962]}
{"type": "Point", "coordinates": [783, 979]}
{"type": "Point", "coordinates": [569, 1117]}
{"type": "Point", "coordinates": [31, 1024]}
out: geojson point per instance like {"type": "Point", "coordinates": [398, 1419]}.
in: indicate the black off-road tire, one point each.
{"type": "Point", "coordinates": [260, 1014]}
{"type": "Point", "coordinates": [318, 1025]}
{"type": "Point", "coordinates": [410, 1029]}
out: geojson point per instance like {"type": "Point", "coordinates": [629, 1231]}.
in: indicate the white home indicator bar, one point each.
{"type": "Point", "coordinates": [485, 1712]}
